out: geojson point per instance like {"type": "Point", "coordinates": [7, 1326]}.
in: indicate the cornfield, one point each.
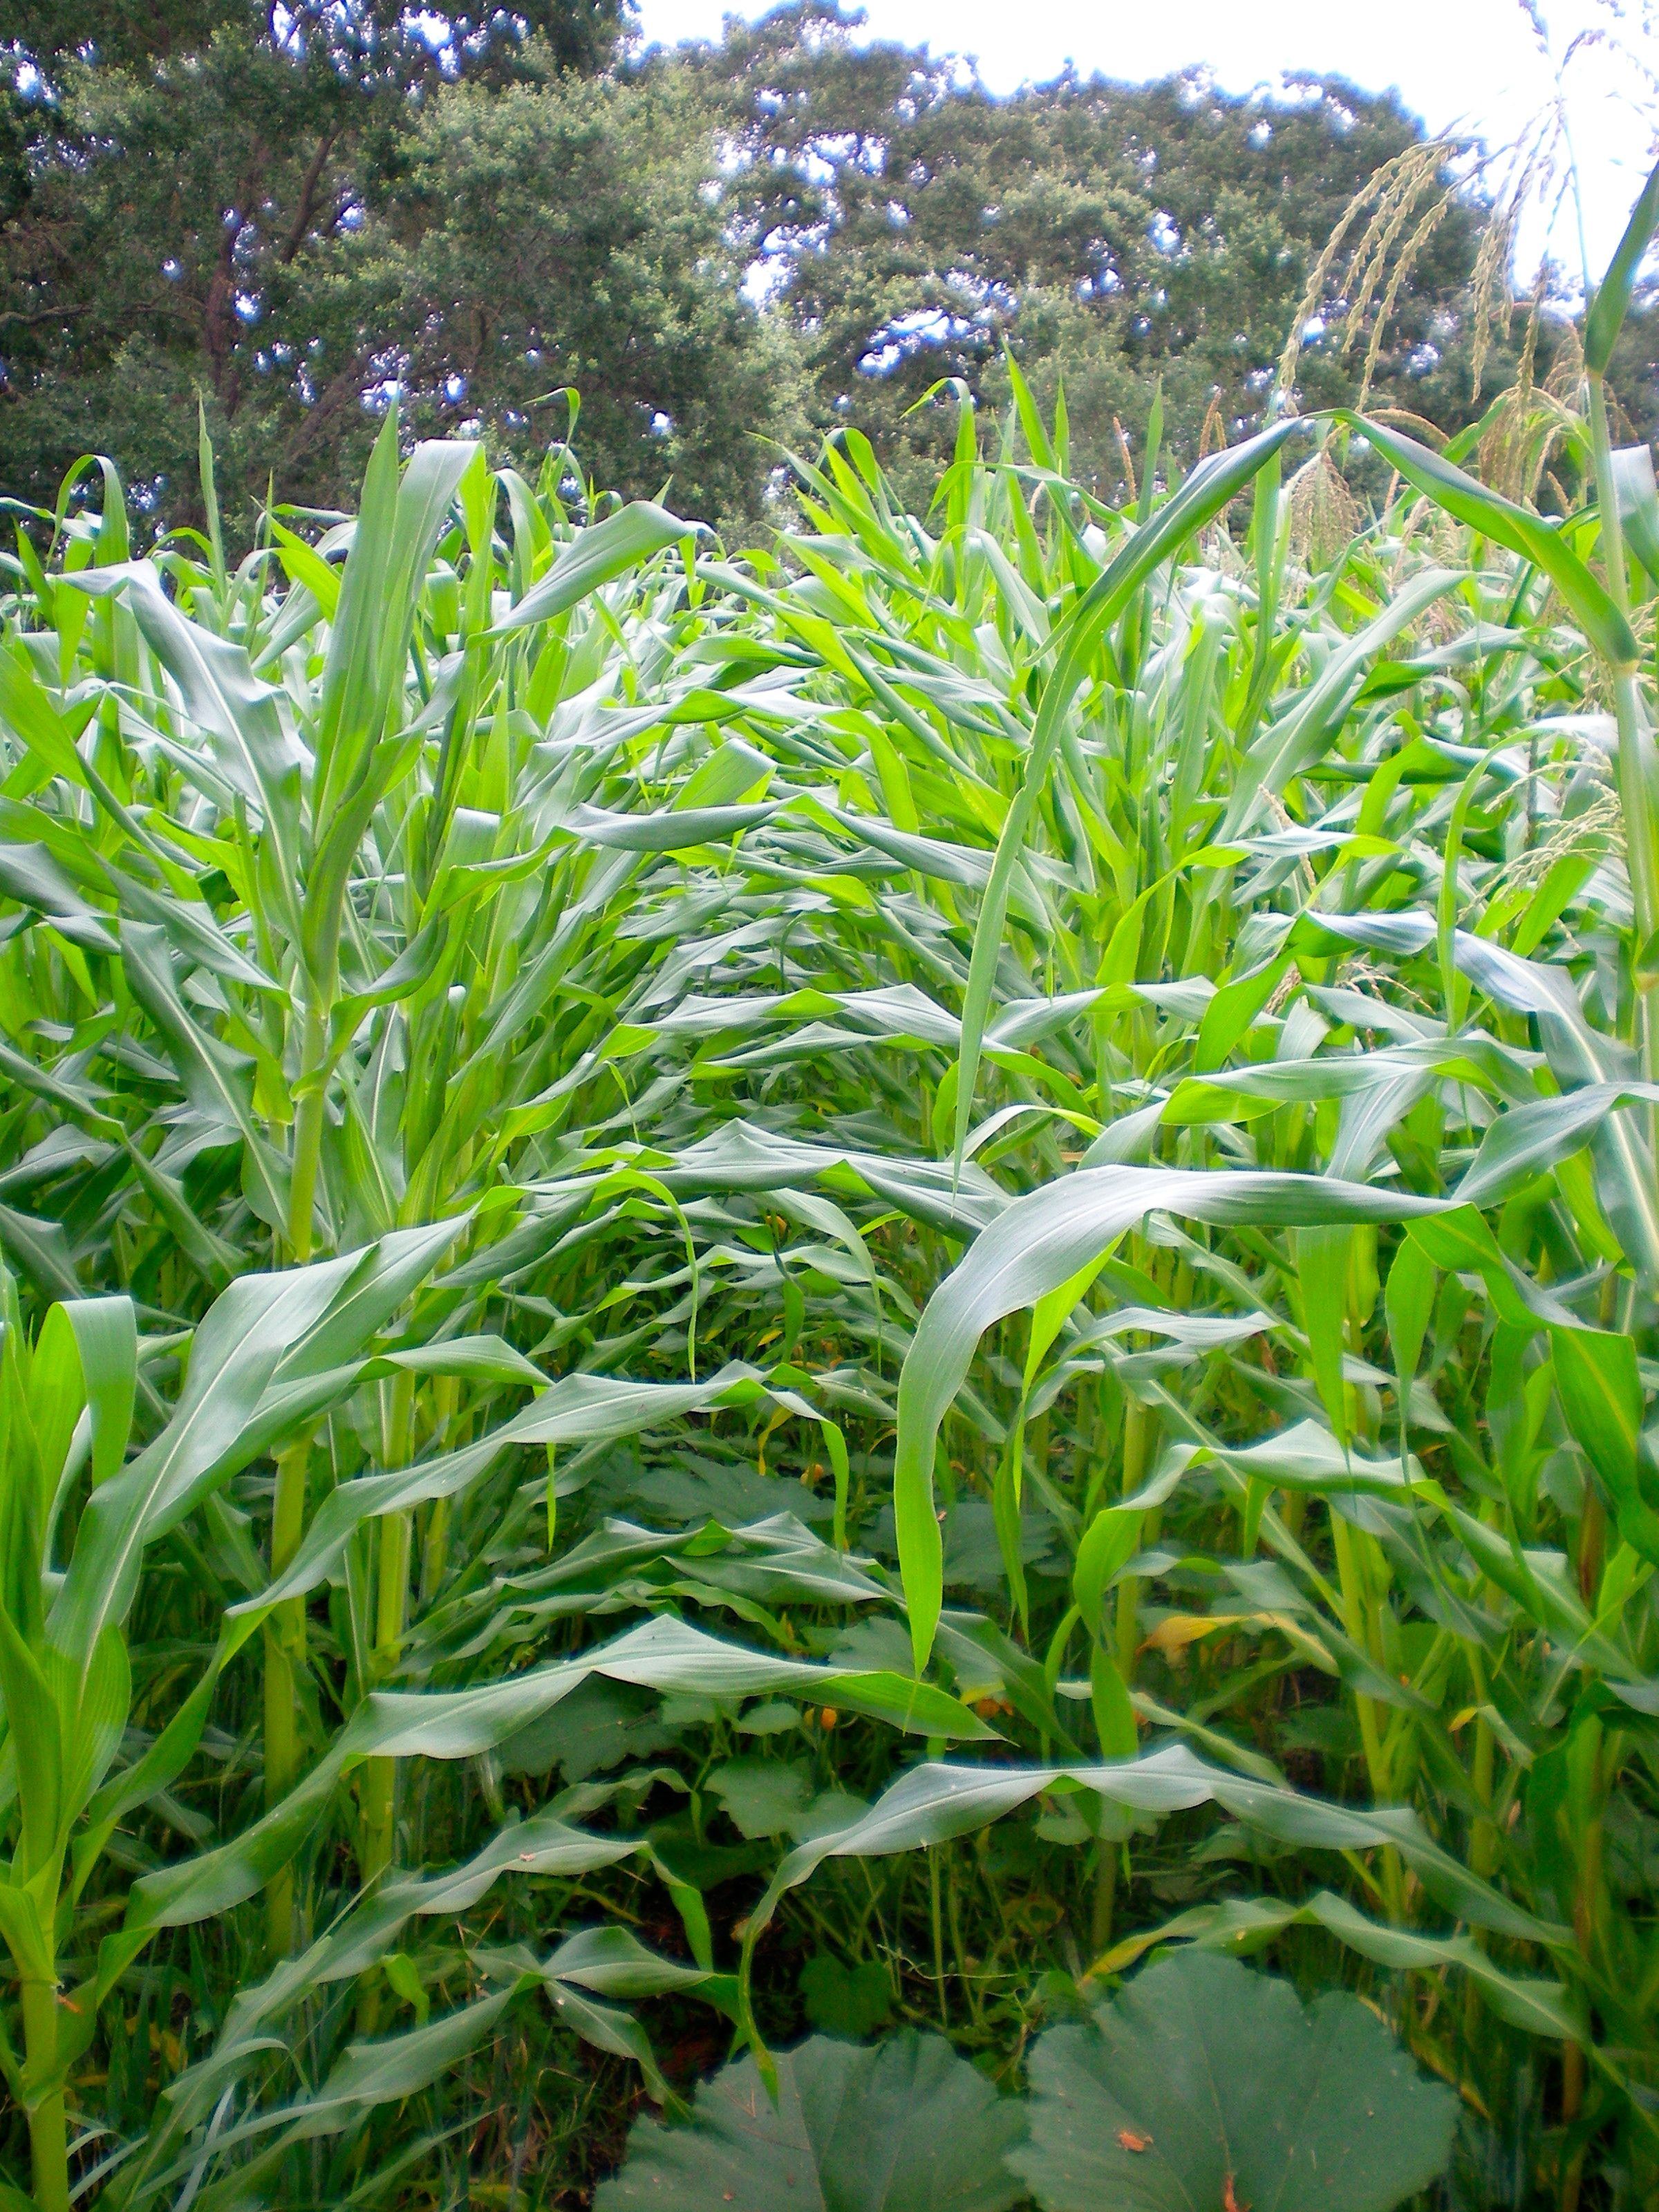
{"type": "Point", "coordinates": [819, 1321]}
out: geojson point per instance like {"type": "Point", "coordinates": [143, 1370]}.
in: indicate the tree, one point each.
{"type": "Point", "coordinates": [567, 237]}
{"type": "Point", "coordinates": [169, 172]}
{"type": "Point", "coordinates": [914, 228]}
{"type": "Point", "coordinates": [291, 215]}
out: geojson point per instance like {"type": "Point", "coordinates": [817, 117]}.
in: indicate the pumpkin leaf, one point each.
{"type": "Point", "coordinates": [903, 2126]}
{"type": "Point", "coordinates": [1203, 2084]}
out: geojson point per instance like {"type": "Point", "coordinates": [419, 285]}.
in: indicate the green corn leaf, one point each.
{"type": "Point", "coordinates": [394, 533]}
{"type": "Point", "coordinates": [1514, 527]}
{"type": "Point", "coordinates": [1210, 487]}
{"type": "Point", "coordinates": [1611, 303]}
{"type": "Point", "coordinates": [1529, 1138]}
{"type": "Point", "coordinates": [1109, 1544]}
{"type": "Point", "coordinates": [265, 1331]}
{"type": "Point", "coordinates": [934, 1802]}
{"type": "Point", "coordinates": [388, 2071]}
{"type": "Point", "coordinates": [1600, 1390]}
{"type": "Point", "coordinates": [663, 1655]}
{"type": "Point", "coordinates": [35, 1722]}
{"type": "Point", "coordinates": [1114, 1714]}
{"type": "Point", "coordinates": [93, 1710]}
{"type": "Point", "coordinates": [27, 1937]}
{"type": "Point", "coordinates": [102, 1337]}
{"type": "Point", "coordinates": [192, 932]}
{"type": "Point", "coordinates": [1322, 1259]}
{"type": "Point", "coordinates": [27, 710]}
{"type": "Point", "coordinates": [579, 1409]}
{"type": "Point", "coordinates": [225, 702]}
{"type": "Point", "coordinates": [1039, 1243]}
{"type": "Point", "coordinates": [35, 877]}
{"type": "Point", "coordinates": [1409, 1301]}
{"type": "Point", "coordinates": [597, 555]}
{"type": "Point", "coordinates": [1536, 2007]}
{"type": "Point", "coordinates": [1638, 495]}
{"type": "Point", "coordinates": [217, 1080]}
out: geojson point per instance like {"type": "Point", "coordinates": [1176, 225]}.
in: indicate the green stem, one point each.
{"type": "Point", "coordinates": [434, 1543]}
{"type": "Point", "coordinates": [1139, 1434]}
{"type": "Point", "coordinates": [1641, 813]}
{"type": "Point", "coordinates": [309, 1119]}
{"type": "Point", "coordinates": [285, 1668]}
{"type": "Point", "coordinates": [1483, 1837]}
{"type": "Point", "coordinates": [285, 1631]}
{"type": "Point", "coordinates": [435, 1550]}
{"type": "Point", "coordinates": [1139, 1426]}
{"type": "Point", "coordinates": [1572, 2100]}
{"type": "Point", "coordinates": [380, 1786]}
{"type": "Point", "coordinates": [964, 1974]}
{"type": "Point", "coordinates": [1358, 1619]}
{"type": "Point", "coordinates": [1592, 1545]}
{"type": "Point", "coordinates": [1105, 1899]}
{"type": "Point", "coordinates": [1638, 796]}
{"type": "Point", "coordinates": [379, 1791]}
{"type": "Point", "coordinates": [48, 2130]}
{"type": "Point", "coordinates": [1485, 1844]}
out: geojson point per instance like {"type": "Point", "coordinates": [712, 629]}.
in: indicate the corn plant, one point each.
{"type": "Point", "coordinates": [272, 1348]}
{"type": "Point", "coordinates": [637, 1176]}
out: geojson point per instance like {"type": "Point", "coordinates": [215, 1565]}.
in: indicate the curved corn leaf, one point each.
{"type": "Point", "coordinates": [1039, 1243]}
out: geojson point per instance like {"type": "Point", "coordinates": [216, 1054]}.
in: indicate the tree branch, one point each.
{"type": "Point", "coordinates": [309, 185]}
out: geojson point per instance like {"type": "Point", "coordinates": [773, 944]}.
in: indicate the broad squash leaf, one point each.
{"type": "Point", "coordinates": [1204, 2085]}
{"type": "Point", "coordinates": [901, 2126]}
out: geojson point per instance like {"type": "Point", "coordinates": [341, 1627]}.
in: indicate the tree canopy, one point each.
{"type": "Point", "coordinates": [289, 216]}
{"type": "Point", "coordinates": [912, 227]}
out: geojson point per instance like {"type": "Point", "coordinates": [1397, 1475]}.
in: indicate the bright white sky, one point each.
{"type": "Point", "coordinates": [1473, 64]}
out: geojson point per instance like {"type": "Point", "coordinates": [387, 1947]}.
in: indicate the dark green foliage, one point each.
{"type": "Point", "coordinates": [196, 209]}
{"type": "Point", "coordinates": [611, 277]}
{"type": "Point", "coordinates": [905, 2126]}
{"type": "Point", "coordinates": [849, 2000]}
{"type": "Point", "coordinates": [1202, 2078]}
{"type": "Point", "coordinates": [1115, 235]}
{"type": "Point", "coordinates": [291, 228]}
